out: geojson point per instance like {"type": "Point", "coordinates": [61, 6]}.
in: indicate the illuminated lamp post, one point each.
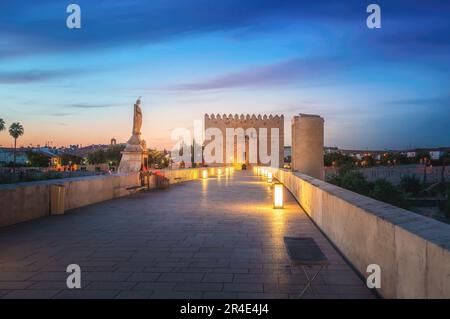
{"type": "Point", "coordinates": [278, 196]}
{"type": "Point", "coordinates": [269, 177]}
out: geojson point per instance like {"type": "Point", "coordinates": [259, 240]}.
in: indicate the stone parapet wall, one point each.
{"type": "Point", "coordinates": [413, 251]}
{"type": "Point", "coordinates": [27, 201]}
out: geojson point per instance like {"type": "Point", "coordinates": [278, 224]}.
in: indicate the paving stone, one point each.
{"type": "Point", "coordinates": [86, 294]}
{"type": "Point", "coordinates": [181, 277]}
{"type": "Point", "coordinates": [155, 286]}
{"type": "Point", "coordinates": [110, 285]}
{"type": "Point", "coordinates": [238, 287]}
{"type": "Point", "coordinates": [30, 294]}
{"type": "Point", "coordinates": [218, 239]}
{"type": "Point", "coordinates": [51, 285]}
{"type": "Point", "coordinates": [144, 276]}
{"type": "Point", "coordinates": [198, 287]}
{"type": "Point", "coordinates": [176, 295]}
{"type": "Point", "coordinates": [214, 277]}
{"type": "Point", "coordinates": [105, 276]}
{"type": "Point", "coordinates": [246, 295]}
{"type": "Point", "coordinates": [6, 285]}
{"type": "Point", "coordinates": [134, 294]}
{"type": "Point", "coordinates": [16, 276]}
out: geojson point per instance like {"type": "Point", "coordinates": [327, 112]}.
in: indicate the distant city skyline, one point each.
{"type": "Point", "coordinates": [377, 89]}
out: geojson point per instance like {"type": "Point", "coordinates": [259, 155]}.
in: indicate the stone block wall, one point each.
{"type": "Point", "coordinates": [27, 201]}
{"type": "Point", "coordinates": [222, 122]}
{"type": "Point", "coordinates": [413, 251]}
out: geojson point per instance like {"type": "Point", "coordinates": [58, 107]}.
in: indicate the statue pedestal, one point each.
{"type": "Point", "coordinates": [131, 161]}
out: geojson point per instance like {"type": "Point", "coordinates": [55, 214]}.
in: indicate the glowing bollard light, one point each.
{"type": "Point", "coordinates": [205, 174]}
{"type": "Point", "coordinates": [219, 172]}
{"type": "Point", "coordinates": [269, 177]}
{"type": "Point", "coordinates": [227, 171]}
{"type": "Point", "coordinates": [278, 195]}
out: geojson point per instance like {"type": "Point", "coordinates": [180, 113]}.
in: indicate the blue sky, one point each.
{"type": "Point", "coordinates": [383, 88]}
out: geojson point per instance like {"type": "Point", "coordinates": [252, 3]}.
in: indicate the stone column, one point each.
{"type": "Point", "coordinates": [307, 145]}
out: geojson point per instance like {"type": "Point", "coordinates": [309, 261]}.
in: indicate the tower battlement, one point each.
{"type": "Point", "coordinates": [245, 118]}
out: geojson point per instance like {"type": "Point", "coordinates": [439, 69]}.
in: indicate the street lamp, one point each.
{"type": "Point", "coordinates": [269, 177]}
{"type": "Point", "coordinates": [278, 195]}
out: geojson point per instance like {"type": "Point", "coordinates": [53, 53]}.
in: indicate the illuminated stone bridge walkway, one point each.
{"type": "Point", "coordinates": [218, 238]}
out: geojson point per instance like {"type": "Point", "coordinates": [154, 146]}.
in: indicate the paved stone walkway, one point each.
{"type": "Point", "coordinates": [218, 238]}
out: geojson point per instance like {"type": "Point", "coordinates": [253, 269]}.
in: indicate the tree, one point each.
{"type": "Point", "coordinates": [112, 154]}
{"type": "Point", "coordinates": [345, 168]}
{"type": "Point", "coordinates": [337, 159]}
{"type": "Point", "coordinates": [37, 159]}
{"type": "Point", "coordinates": [96, 157]}
{"type": "Point", "coordinates": [68, 159]}
{"type": "Point", "coordinates": [368, 161]}
{"type": "Point", "coordinates": [410, 184]}
{"type": "Point", "coordinates": [356, 182]}
{"type": "Point", "coordinates": [2, 125]}
{"type": "Point", "coordinates": [421, 155]}
{"type": "Point", "coordinates": [15, 130]}
{"type": "Point", "coordinates": [157, 159]}
{"type": "Point", "coordinates": [446, 205]}
{"type": "Point", "coordinates": [386, 192]}
{"type": "Point", "coordinates": [445, 161]}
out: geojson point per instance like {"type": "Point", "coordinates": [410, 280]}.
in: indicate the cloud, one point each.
{"type": "Point", "coordinates": [428, 104]}
{"type": "Point", "coordinates": [30, 76]}
{"type": "Point", "coordinates": [91, 106]}
{"type": "Point", "coordinates": [425, 102]}
{"type": "Point", "coordinates": [39, 27]}
{"type": "Point", "coordinates": [60, 114]}
{"type": "Point", "coordinates": [35, 76]}
{"type": "Point", "coordinates": [299, 70]}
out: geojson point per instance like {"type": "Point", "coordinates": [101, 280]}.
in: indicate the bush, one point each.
{"type": "Point", "coordinates": [386, 192]}
{"type": "Point", "coordinates": [445, 207]}
{"type": "Point", "coordinates": [411, 184]}
{"type": "Point", "coordinates": [356, 182]}
{"type": "Point", "coordinates": [334, 179]}
{"type": "Point", "coordinates": [346, 168]}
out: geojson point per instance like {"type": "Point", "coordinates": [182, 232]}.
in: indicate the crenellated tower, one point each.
{"type": "Point", "coordinates": [248, 122]}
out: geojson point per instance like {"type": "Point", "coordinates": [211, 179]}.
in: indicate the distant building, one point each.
{"type": "Point", "coordinates": [435, 155]}
{"type": "Point", "coordinates": [7, 156]}
{"type": "Point", "coordinates": [53, 156]}
{"type": "Point", "coordinates": [411, 154]}
{"type": "Point", "coordinates": [330, 149]}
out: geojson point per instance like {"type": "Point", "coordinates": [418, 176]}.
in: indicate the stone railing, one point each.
{"type": "Point", "coordinates": [27, 201]}
{"type": "Point", "coordinates": [413, 251]}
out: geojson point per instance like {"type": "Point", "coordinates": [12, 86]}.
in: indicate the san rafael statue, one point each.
{"type": "Point", "coordinates": [132, 156]}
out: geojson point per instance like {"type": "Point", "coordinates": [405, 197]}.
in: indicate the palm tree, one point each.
{"type": "Point", "coordinates": [15, 130]}
{"type": "Point", "coordinates": [2, 125]}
